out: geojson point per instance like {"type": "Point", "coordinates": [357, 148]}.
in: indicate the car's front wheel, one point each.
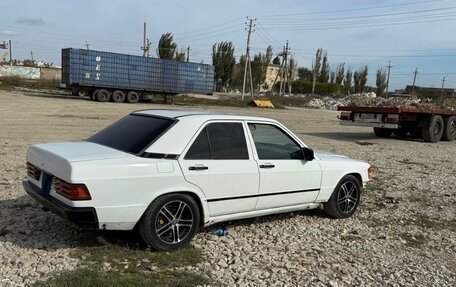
{"type": "Point", "coordinates": [170, 222]}
{"type": "Point", "coordinates": [345, 199]}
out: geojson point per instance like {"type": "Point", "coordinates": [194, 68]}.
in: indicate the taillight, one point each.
{"type": "Point", "coordinates": [369, 172]}
{"type": "Point", "coordinates": [345, 116]}
{"type": "Point", "coordinates": [33, 172]}
{"type": "Point", "coordinates": [392, 119]}
{"type": "Point", "coordinates": [71, 191]}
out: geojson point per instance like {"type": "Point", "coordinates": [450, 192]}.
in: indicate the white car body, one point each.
{"type": "Point", "coordinates": [123, 185]}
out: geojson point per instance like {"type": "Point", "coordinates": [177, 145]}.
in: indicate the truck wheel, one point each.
{"type": "Point", "coordinates": [118, 96]}
{"type": "Point", "coordinates": [93, 95]}
{"type": "Point", "coordinates": [132, 97]}
{"type": "Point", "coordinates": [434, 130]}
{"type": "Point", "coordinates": [170, 222]}
{"type": "Point", "coordinates": [449, 132]}
{"type": "Point", "coordinates": [345, 198]}
{"type": "Point", "coordinates": [103, 96]}
{"type": "Point", "coordinates": [383, 133]}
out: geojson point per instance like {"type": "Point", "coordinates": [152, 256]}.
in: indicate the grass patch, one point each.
{"type": "Point", "coordinates": [8, 83]}
{"type": "Point", "coordinates": [85, 277]}
{"type": "Point", "coordinates": [128, 263]}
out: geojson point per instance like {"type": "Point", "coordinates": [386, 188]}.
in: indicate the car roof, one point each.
{"type": "Point", "coordinates": [187, 123]}
{"type": "Point", "coordinates": [192, 114]}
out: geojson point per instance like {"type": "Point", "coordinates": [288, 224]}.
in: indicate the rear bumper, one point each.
{"type": "Point", "coordinates": [84, 217]}
{"type": "Point", "coordinates": [367, 124]}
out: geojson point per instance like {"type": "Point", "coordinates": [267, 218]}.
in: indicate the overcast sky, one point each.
{"type": "Point", "coordinates": [411, 33]}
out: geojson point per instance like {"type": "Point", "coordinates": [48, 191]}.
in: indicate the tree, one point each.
{"type": "Point", "coordinates": [316, 68]}
{"type": "Point", "coordinates": [364, 75]}
{"type": "Point", "coordinates": [223, 61]}
{"type": "Point", "coordinates": [269, 54]}
{"type": "Point", "coordinates": [381, 82]}
{"type": "Point", "coordinates": [324, 72]}
{"type": "Point", "coordinates": [166, 47]}
{"type": "Point", "coordinates": [304, 74]}
{"type": "Point", "coordinates": [360, 79]}
{"type": "Point", "coordinates": [332, 77]}
{"type": "Point", "coordinates": [348, 80]}
{"type": "Point", "coordinates": [181, 55]}
{"type": "Point", "coordinates": [276, 60]}
{"type": "Point", "coordinates": [340, 70]}
{"type": "Point", "coordinates": [259, 69]}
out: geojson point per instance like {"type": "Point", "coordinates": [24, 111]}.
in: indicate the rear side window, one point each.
{"type": "Point", "coordinates": [132, 133]}
{"type": "Point", "coordinates": [220, 141]}
{"type": "Point", "coordinates": [200, 147]}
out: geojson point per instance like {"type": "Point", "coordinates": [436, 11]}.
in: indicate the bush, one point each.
{"type": "Point", "coordinates": [305, 87]}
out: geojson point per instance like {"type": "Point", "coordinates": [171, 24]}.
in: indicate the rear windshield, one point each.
{"type": "Point", "coordinates": [132, 133]}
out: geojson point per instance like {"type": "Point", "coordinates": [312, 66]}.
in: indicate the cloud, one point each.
{"type": "Point", "coordinates": [8, 33]}
{"type": "Point", "coordinates": [30, 21]}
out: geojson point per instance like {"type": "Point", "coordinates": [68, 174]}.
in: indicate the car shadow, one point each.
{"type": "Point", "coordinates": [23, 223]}
{"type": "Point", "coordinates": [55, 95]}
{"type": "Point", "coordinates": [317, 212]}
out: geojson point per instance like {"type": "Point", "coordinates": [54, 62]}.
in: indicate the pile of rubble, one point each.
{"type": "Point", "coordinates": [369, 100]}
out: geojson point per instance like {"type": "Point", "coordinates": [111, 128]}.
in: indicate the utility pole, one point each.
{"type": "Point", "coordinates": [31, 55]}
{"type": "Point", "coordinates": [11, 54]}
{"type": "Point", "coordinates": [247, 60]}
{"type": "Point", "coordinates": [388, 79]}
{"type": "Point", "coordinates": [443, 85]}
{"type": "Point", "coordinates": [414, 81]}
{"type": "Point", "coordinates": [188, 53]}
{"type": "Point", "coordinates": [87, 45]}
{"type": "Point", "coordinates": [146, 42]}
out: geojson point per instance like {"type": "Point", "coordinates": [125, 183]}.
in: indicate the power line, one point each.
{"type": "Point", "coordinates": [347, 10]}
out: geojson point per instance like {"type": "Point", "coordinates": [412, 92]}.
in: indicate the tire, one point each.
{"type": "Point", "coordinates": [449, 132]}
{"type": "Point", "coordinates": [103, 96]}
{"type": "Point", "coordinates": [93, 95]}
{"type": "Point", "coordinates": [434, 130]}
{"type": "Point", "coordinates": [118, 96]}
{"type": "Point", "coordinates": [132, 97]}
{"type": "Point", "coordinates": [160, 227]}
{"type": "Point", "coordinates": [341, 204]}
{"type": "Point", "coordinates": [382, 132]}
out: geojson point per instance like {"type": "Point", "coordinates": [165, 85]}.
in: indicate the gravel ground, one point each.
{"type": "Point", "coordinates": [402, 235]}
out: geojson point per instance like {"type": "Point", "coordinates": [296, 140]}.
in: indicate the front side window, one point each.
{"type": "Point", "coordinates": [219, 141]}
{"type": "Point", "coordinates": [272, 143]}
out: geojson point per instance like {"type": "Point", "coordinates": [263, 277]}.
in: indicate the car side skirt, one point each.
{"type": "Point", "coordinates": [263, 212]}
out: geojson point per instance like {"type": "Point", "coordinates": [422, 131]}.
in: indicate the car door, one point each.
{"type": "Point", "coordinates": [286, 179]}
{"type": "Point", "coordinates": [220, 162]}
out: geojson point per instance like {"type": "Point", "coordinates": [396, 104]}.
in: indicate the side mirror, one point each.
{"type": "Point", "coordinates": [308, 154]}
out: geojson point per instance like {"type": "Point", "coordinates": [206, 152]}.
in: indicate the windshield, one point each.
{"type": "Point", "coordinates": [132, 133]}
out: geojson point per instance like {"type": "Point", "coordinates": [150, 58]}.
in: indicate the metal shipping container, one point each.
{"type": "Point", "coordinates": [105, 70]}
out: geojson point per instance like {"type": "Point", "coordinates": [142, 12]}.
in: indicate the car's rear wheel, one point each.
{"type": "Point", "coordinates": [345, 198]}
{"type": "Point", "coordinates": [170, 222]}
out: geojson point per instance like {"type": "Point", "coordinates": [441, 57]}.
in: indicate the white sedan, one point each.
{"type": "Point", "coordinates": [169, 172]}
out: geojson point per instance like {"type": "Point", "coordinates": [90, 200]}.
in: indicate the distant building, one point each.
{"type": "Point", "coordinates": [272, 74]}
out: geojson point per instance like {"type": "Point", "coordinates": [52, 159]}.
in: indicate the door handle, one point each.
{"type": "Point", "coordinates": [267, 165]}
{"type": "Point", "coordinates": [198, 167]}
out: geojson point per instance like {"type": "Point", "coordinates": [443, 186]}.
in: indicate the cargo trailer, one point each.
{"type": "Point", "coordinates": [106, 76]}
{"type": "Point", "coordinates": [432, 125]}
